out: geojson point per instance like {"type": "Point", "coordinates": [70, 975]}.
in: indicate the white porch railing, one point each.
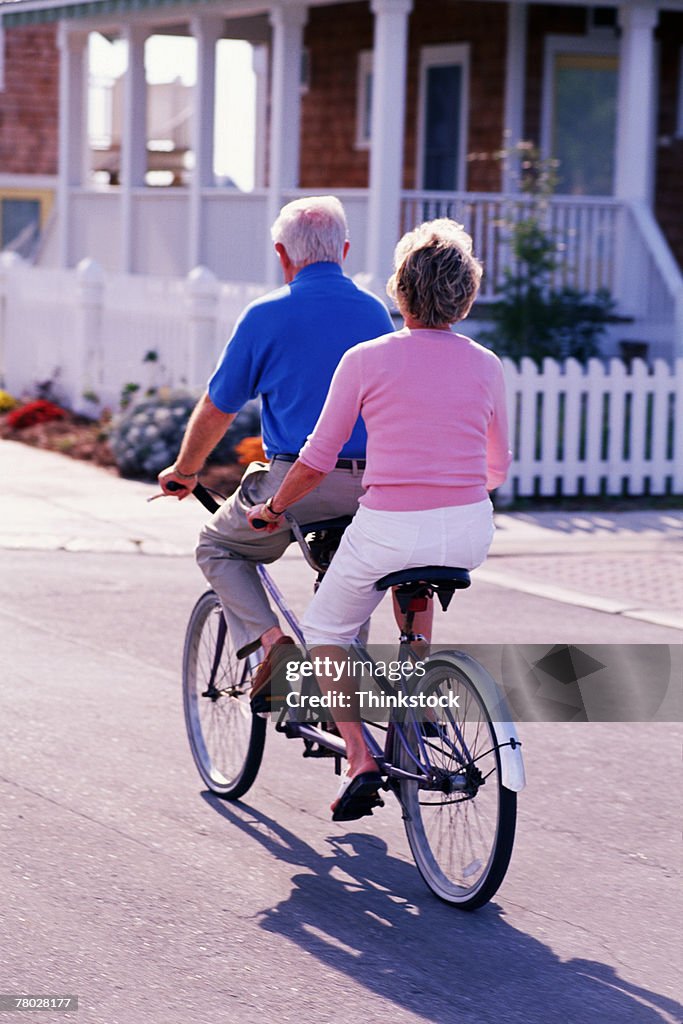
{"type": "Point", "coordinates": [603, 428]}
{"type": "Point", "coordinates": [584, 227]}
{"type": "Point", "coordinates": [602, 243]}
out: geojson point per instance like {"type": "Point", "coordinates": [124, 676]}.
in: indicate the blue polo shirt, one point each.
{"type": "Point", "coordinates": [286, 347]}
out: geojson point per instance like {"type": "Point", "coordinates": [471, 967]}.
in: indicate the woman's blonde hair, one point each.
{"type": "Point", "coordinates": [436, 278]}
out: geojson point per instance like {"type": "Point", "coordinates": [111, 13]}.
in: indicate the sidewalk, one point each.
{"type": "Point", "coordinates": [622, 563]}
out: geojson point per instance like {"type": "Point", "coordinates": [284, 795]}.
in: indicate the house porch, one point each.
{"type": "Point", "coordinates": [612, 240]}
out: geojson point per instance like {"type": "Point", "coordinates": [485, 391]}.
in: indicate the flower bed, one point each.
{"type": "Point", "coordinates": [39, 411]}
{"type": "Point", "coordinates": [45, 425]}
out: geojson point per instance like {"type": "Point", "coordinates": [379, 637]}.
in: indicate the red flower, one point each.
{"type": "Point", "coordinates": [39, 411]}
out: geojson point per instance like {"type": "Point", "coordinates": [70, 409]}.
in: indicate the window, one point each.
{"type": "Point", "coordinates": [305, 72]}
{"type": "Point", "coordinates": [442, 118]}
{"type": "Point", "coordinates": [364, 100]}
{"type": "Point", "coordinates": [580, 113]}
{"type": "Point", "coordinates": [22, 218]}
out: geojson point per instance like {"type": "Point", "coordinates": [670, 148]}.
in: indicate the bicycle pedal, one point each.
{"type": "Point", "coordinates": [316, 750]}
{"type": "Point", "coordinates": [288, 729]}
{"type": "Point", "coordinates": [264, 705]}
{"type": "Point", "coordinates": [258, 704]}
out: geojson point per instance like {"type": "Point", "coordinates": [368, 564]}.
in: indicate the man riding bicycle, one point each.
{"type": "Point", "coordinates": [285, 347]}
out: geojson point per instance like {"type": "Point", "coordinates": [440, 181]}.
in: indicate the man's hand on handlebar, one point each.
{"type": "Point", "coordinates": [175, 484]}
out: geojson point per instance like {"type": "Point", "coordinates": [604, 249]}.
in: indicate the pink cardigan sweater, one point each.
{"type": "Point", "coordinates": [433, 403]}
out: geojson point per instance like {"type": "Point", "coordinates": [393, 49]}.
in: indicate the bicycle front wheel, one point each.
{"type": "Point", "coordinates": [226, 738]}
{"type": "Point", "coordinates": [461, 823]}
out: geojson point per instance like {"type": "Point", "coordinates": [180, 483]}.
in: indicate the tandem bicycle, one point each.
{"type": "Point", "coordinates": [455, 774]}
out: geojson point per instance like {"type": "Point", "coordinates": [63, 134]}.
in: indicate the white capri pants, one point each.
{"type": "Point", "coordinates": [377, 543]}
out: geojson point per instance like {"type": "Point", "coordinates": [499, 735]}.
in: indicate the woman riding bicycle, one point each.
{"type": "Point", "coordinates": [433, 403]}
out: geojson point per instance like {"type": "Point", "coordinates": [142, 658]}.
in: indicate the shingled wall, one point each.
{"type": "Point", "coordinates": [334, 38]}
{"type": "Point", "coordinates": [29, 101]}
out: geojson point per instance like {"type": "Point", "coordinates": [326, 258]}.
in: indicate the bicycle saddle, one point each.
{"type": "Point", "coordinates": [327, 524]}
{"type": "Point", "coordinates": [425, 580]}
{"type": "Point", "coordinates": [326, 538]}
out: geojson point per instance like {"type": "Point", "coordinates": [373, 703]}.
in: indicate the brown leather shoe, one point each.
{"type": "Point", "coordinates": [269, 663]}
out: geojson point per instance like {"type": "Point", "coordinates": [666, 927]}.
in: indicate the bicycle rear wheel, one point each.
{"type": "Point", "coordinates": [226, 738]}
{"type": "Point", "coordinates": [460, 830]}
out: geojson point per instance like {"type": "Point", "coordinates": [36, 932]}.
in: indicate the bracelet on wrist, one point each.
{"type": "Point", "coordinates": [269, 506]}
{"type": "Point", "coordinates": [184, 476]}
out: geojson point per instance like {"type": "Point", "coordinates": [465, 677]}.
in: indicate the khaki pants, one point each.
{"type": "Point", "coordinates": [229, 550]}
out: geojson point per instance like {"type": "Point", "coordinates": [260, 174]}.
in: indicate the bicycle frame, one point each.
{"type": "Point", "coordinates": [512, 766]}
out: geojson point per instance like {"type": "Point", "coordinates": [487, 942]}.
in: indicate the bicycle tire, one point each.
{"type": "Point", "coordinates": [226, 738]}
{"type": "Point", "coordinates": [461, 841]}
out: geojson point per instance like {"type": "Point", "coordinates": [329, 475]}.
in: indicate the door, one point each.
{"type": "Point", "coordinates": [442, 118]}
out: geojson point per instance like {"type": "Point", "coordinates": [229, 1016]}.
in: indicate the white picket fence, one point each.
{"type": "Point", "coordinates": [600, 429]}
{"type": "Point", "coordinates": [603, 428]}
{"type": "Point", "coordinates": [94, 334]}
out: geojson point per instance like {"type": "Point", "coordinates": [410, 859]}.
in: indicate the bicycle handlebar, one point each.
{"type": "Point", "coordinates": [201, 494]}
{"type": "Point", "coordinates": [208, 501]}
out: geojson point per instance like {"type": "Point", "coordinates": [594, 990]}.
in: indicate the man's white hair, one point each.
{"type": "Point", "coordinates": [312, 230]}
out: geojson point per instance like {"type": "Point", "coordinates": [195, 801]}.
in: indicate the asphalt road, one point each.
{"type": "Point", "coordinates": [125, 883]}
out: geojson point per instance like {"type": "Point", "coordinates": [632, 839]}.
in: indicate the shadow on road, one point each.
{"type": "Point", "coordinates": [360, 911]}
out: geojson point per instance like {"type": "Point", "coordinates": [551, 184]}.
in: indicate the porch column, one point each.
{"type": "Point", "coordinates": [636, 105]}
{"type": "Point", "coordinates": [288, 23]}
{"type": "Point", "coordinates": [207, 32]}
{"type": "Point", "coordinates": [386, 152]}
{"type": "Point", "coordinates": [73, 68]}
{"type": "Point", "coordinates": [259, 64]}
{"type": "Point", "coordinates": [133, 138]}
{"type": "Point", "coordinates": [515, 76]}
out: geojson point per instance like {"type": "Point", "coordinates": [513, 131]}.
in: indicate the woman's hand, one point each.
{"type": "Point", "coordinates": [299, 481]}
{"type": "Point", "coordinates": [263, 513]}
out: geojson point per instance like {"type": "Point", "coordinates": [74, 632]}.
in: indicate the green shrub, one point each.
{"type": "Point", "coordinates": [145, 437]}
{"type": "Point", "coordinates": [534, 322]}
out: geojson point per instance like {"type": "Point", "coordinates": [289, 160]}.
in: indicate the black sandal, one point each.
{"type": "Point", "coordinates": [358, 796]}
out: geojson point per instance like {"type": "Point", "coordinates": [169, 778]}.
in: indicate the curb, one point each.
{"type": "Point", "coordinates": [565, 595]}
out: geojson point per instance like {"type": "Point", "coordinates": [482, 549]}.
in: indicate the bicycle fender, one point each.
{"type": "Point", "coordinates": [513, 776]}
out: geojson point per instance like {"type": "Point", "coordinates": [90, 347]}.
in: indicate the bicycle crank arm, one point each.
{"type": "Point", "coordinates": [323, 739]}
